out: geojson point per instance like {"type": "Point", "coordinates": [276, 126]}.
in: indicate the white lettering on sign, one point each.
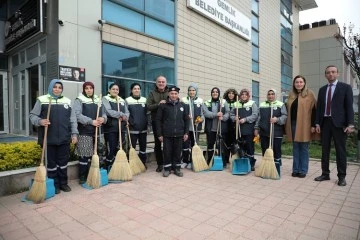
{"type": "Point", "coordinates": [224, 14]}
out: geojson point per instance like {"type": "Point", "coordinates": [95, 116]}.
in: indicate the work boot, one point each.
{"type": "Point", "coordinates": [166, 173]}
{"type": "Point", "coordinates": [178, 173]}
{"type": "Point", "coordinates": [159, 168]}
{"type": "Point", "coordinates": [252, 164]}
{"type": "Point", "coordinates": [65, 188]}
{"type": "Point", "coordinates": [82, 180]}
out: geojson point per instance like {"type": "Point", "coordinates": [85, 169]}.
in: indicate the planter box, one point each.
{"type": "Point", "coordinates": [16, 181]}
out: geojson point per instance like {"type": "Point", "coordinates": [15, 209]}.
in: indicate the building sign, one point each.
{"type": "Point", "coordinates": [72, 73]}
{"type": "Point", "coordinates": [24, 23]}
{"type": "Point", "coordinates": [224, 14]}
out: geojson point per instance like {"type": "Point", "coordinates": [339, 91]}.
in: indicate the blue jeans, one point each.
{"type": "Point", "coordinates": [300, 157]}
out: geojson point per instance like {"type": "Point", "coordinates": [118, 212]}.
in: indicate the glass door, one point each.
{"type": "Point", "coordinates": [20, 120]}
{"type": "Point", "coordinates": [4, 123]}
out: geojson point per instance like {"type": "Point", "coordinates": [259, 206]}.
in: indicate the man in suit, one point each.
{"type": "Point", "coordinates": [334, 119]}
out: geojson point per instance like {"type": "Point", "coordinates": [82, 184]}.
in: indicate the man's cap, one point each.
{"type": "Point", "coordinates": [174, 88]}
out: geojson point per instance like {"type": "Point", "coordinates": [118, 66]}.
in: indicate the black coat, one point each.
{"type": "Point", "coordinates": [172, 119]}
{"type": "Point", "coordinates": [342, 113]}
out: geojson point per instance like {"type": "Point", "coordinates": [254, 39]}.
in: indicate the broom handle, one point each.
{"type": "Point", "coordinates": [127, 126]}
{"type": "Point", "coordinates": [192, 121]}
{"type": "Point", "coordinates": [120, 139]}
{"type": "Point", "coordinates": [45, 134]}
{"type": "Point", "coordinates": [271, 126]}
{"type": "Point", "coordinates": [237, 118]}
{"type": "Point", "coordinates": [96, 128]}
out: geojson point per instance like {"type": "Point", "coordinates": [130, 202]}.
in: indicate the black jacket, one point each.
{"type": "Point", "coordinates": [172, 119]}
{"type": "Point", "coordinates": [342, 112]}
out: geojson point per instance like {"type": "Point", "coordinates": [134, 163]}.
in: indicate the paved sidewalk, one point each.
{"type": "Point", "coordinates": [209, 205]}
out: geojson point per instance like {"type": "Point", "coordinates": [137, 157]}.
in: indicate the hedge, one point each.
{"type": "Point", "coordinates": [23, 155]}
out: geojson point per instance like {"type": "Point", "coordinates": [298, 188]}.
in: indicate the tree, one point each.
{"type": "Point", "coordinates": [351, 43]}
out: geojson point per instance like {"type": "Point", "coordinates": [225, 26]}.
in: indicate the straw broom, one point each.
{"type": "Point", "coordinates": [37, 192]}
{"type": "Point", "coordinates": [94, 180]}
{"type": "Point", "coordinates": [267, 168]}
{"type": "Point", "coordinates": [120, 170]}
{"type": "Point", "coordinates": [198, 160]}
{"type": "Point", "coordinates": [236, 155]}
{"type": "Point", "coordinates": [136, 164]}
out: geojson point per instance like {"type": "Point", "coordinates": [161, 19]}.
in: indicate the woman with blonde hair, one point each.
{"type": "Point", "coordinates": [300, 124]}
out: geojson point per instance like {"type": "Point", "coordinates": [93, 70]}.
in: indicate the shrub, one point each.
{"type": "Point", "coordinates": [23, 155]}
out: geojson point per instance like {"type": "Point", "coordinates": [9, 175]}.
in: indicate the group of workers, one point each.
{"type": "Point", "coordinates": [176, 124]}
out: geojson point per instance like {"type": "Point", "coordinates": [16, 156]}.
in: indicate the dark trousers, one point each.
{"type": "Point", "coordinates": [264, 141]}
{"type": "Point", "coordinates": [112, 142]}
{"type": "Point", "coordinates": [157, 149]}
{"type": "Point", "coordinates": [57, 160]}
{"type": "Point", "coordinates": [211, 139]}
{"type": "Point", "coordinates": [84, 164]}
{"type": "Point", "coordinates": [229, 141]}
{"type": "Point", "coordinates": [249, 147]}
{"type": "Point", "coordinates": [187, 146]}
{"type": "Point", "coordinates": [172, 152]}
{"type": "Point", "coordinates": [141, 137]}
{"type": "Point", "coordinates": [328, 132]}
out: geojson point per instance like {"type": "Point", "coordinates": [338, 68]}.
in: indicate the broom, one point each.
{"type": "Point", "coordinates": [136, 164]}
{"type": "Point", "coordinates": [236, 155]}
{"type": "Point", "coordinates": [93, 180]}
{"type": "Point", "coordinates": [267, 168]}
{"type": "Point", "coordinates": [120, 170]}
{"type": "Point", "coordinates": [37, 192]}
{"type": "Point", "coordinates": [198, 160]}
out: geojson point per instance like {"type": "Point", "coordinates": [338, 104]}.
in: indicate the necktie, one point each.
{"type": "Point", "coordinates": [328, 101]}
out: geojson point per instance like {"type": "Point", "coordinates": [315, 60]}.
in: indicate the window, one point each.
{"type": "Point", "coordinates": [126, 66]}
{"type": "Point", "coordinates": [153, 17]}
{"type": "Point", "coordinates": [255, 35]}
{"type": "Point", "coordinates": [286, 28]}
{"type": "Point", "coordinates": [255, 92]}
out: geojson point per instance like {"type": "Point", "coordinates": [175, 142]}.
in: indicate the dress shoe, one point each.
{"type": "Point", "coordinates": [65, 188]}
{"type": "Point", "coordinates": [57, 190]}
{"type": "Point", "coordinates": [166, 173]}
{"type": "Point", "coordinates": [159, 168]}
{"type": "Point", "coordinates": [301, 175]}
{"type": "Point", "coordinates": [178, 173]}
{"type": "Point", "coordinates": [294, 174]}
{"type": "Point", "coordinates": [322, 178]}
{"type": "Point", "coordinates": [342, 182]}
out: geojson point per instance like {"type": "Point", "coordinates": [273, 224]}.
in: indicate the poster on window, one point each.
{"type": "Point", "coordinates": [72, 73]}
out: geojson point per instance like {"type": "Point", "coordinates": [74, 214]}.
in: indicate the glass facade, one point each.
{"type": "Point", "coordinates": [286, 32]}
{"type": "Point", "coordinates": [126, 66]}
{"type": "Point", "coordinates": [153, 17]}
{"type": "Point", "coordinates": [255, 35]}
{"type": "Point", "coordinates": [255, 92]}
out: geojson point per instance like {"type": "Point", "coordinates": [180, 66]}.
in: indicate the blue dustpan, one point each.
{"type": "Point", "coordinates": [104, 177]}
{"type": "Point", "coordinates": [50, 189]}
{"type": "Point", "coordinates": [241, 166]}
{"type": "Point", "coordinates": [217, 164]}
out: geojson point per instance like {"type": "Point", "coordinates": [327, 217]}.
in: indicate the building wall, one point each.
{"type": "Point", "coordinates": [318, 49]}
{"type": "Point", "coordinates": [80, 40]}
